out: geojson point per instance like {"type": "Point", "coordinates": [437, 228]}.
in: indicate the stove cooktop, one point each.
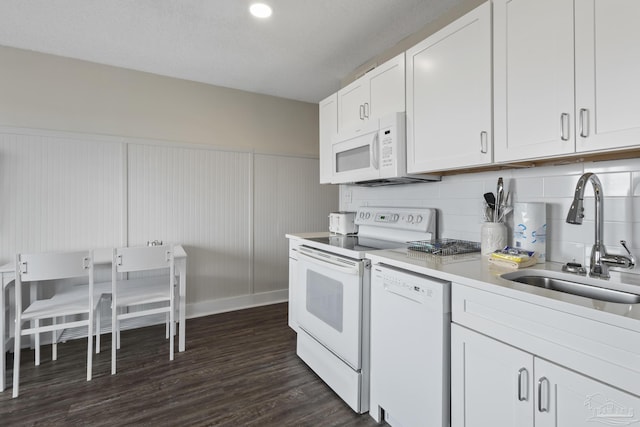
{"type": "Point", "coordinates": [357, 243]}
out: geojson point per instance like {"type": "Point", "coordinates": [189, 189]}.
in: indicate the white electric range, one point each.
{"type": "Point", "coordinates": [330, 294]}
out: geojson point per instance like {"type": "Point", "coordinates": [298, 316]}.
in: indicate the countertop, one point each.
{"type": "Point", "coordinates": [474, 270]}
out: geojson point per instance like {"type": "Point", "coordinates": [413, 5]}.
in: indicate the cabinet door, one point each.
{"type": "Point", "coordinates": [607, 74]}
{"type": "Point", "coordinates": [351, 100]}
{"type": "Point", "coordinates": [386, 88]}
{"type": "Point", "coordinates": [565, 398]}
{"type": "Point", "coordinates": [449, 96]}
{"type": "Point", "coordinates": [490, 382]}
{"type": "Point", "coordinates": [533, 79]}
{"type": "Point", "coordinates": [328, 127]}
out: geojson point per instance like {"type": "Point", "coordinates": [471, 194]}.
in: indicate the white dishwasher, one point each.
{"type": "Point", "coordinates": [410, 342]}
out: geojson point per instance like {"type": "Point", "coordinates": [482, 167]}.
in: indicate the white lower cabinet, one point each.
{"type": "Point", "coordinates": [484, 382]}
{"type": "Point", "coordinates": [495, 384]}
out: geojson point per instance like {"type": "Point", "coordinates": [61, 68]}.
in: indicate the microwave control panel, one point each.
{"type": "Point", "coordinates": [387, 147]}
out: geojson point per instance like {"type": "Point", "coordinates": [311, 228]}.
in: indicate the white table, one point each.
{"type": "Point", "coordinates": [102, 256]}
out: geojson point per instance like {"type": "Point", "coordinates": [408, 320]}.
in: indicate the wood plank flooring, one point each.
{"type": "Point", "coordinates": [240, 369]}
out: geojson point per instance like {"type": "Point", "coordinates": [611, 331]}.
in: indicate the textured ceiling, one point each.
{"type": "Point", "coordinates": [302, 52]}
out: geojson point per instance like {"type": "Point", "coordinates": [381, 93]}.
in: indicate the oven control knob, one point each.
{"type": "Point", "coordinates": [368, 215]}
{"type": "Point", "coordinates": [361, 214]}
{"type": "Point", "coordinates": [419, 219]}
{"type": "Point", "coordinates": [410, 218]}
{"type": "Point", "coordinates": [396, 217]}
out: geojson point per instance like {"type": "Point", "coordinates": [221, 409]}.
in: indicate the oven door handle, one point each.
{"type": "Point", "coordinates": [354, 268]}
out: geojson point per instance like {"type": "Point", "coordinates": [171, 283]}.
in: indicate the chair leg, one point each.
{"type": "Point", "coordinates": [114, 338]}
{"type": "Point", "coordinates": [16, 359]}
{"type": "Point", "coordinates": [37, 343]}
{"type": "Point", "coordinates": [171, 333]}
{"type": "Point", "coordinates": [167, 327]}
{"type": "Point", "coordinates": [118, 335]}
{"type": "Point", "coordinates": [90, 347]}
{"type": "Point", "coordinates": [98, 327]}
{"type": "Point", "coordinates": [54, 342]}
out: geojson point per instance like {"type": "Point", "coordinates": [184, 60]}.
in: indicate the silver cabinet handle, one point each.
{"type": "Point", "coordinates": [484, 145]}
{"type": "Point", "coordinates": [522, 397]}
{"type": "Point", "coordinates": [542, 408]}
{"type": "Point", "coordinates": [366, 110]}
{"type": "Point", "coordinates": [564, 125]}
{"type": "Point", "coordinates": [361, 111]}
{"type": "Point", "coordinates": [584, 122]}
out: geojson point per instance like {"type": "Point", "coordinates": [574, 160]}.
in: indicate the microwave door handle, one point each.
{"type": "Point", "coordinates": [355, 269]}
{"type": "Point", "coordinates": [375, 150]}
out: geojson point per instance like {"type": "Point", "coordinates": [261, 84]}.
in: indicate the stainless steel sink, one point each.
{"type": "Point", "coordinates": [582, 286]}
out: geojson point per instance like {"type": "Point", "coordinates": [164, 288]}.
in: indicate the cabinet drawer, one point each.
{"type": "Point", "coordinates": [600, 350]}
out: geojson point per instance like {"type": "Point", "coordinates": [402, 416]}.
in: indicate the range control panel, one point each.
{"type": "Point", "coordinates": [414, 219]}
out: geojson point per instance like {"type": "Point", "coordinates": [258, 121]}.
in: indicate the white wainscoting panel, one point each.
{"type": "Point", "coordinates": [59, 192]}
{"type": "Point", "coordinates": [288, 199]}
{"type": "Point", "coordinates": [199, 198]}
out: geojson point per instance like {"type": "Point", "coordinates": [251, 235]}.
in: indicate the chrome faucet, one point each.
{"type": "Point", "coordinates": [600, 259]}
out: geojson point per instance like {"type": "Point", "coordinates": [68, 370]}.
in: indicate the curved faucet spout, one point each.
{"type": "Point", "coordinates": [600, 260]}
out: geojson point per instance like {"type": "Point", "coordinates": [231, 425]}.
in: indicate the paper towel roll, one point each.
{"type": "Point", "coordinates": [530, 228]}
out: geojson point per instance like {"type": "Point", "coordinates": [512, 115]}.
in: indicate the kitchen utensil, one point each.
{"type": "Point", "coordinates": [504, 212]}
{"type": "Point", "coordinates": [499, 198]}
{"type": "Point", "coordinates": [490, 199]}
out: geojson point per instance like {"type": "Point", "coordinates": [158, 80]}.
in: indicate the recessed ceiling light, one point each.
{"type": "Point", "coordinates": [260, 10]}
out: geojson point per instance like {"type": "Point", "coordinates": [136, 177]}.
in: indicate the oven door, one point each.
{"type": "Point", "coordinates": [330, 302]}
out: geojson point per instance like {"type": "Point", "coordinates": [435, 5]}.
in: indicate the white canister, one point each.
{"type": "Point", "coordinates": [530, 228]}
{"type": "Point", "coordinates": [493, 236]}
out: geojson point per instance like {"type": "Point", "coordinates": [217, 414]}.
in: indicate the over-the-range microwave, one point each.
{"type": "Point", "coordinates": [374, 155]}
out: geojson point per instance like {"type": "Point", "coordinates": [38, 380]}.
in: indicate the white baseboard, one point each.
{"type": "Point", "coordinates": [207, 308]}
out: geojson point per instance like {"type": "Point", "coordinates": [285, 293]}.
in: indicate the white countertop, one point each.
{"type": "Point", "coordinates": [475, 271]}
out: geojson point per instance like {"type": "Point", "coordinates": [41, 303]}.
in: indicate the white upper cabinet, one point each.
{"type": "Point", "coordinates": [449, 96]}
{"type": "Point", "coordinates": [538, 113]}
{"type": "Point", "coordinates": [533, 79]}
{"type": "Point", "coordinates": [377, 93]}
{"type": "Point", "coordinates": [328, 126]}
{"type": "Point", "coordinates": [607, 74]}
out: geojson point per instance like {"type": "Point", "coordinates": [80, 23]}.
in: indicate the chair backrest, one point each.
{"type": "Point", "coordinates": [54, 265]}
{"type": "Point", "coordinates": [141, 258]}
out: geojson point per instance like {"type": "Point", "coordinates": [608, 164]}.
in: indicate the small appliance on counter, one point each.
{"type": "Point", "coordinates": [343, 222]}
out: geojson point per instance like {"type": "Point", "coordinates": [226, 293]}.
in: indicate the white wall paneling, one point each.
{"type": "Point", "coordinates": [199, 198]}
{"type": "Point", "coordinates": [63, 191]}
{"type": "Point", "coordinates": [59, 192]}
{"type": "Point", "coordinates": [287, 199]}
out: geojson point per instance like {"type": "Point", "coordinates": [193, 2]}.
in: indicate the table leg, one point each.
{"type": "Point", "coordinates": [183, 304]}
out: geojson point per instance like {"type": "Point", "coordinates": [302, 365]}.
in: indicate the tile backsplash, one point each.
{"type": "Point", "coordinates": [459, 201]}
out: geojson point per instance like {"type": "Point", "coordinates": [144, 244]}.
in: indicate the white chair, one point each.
{"type": "Point", "coordinates": [152, 290]}
{"type": "Point", "coordinates": [76, 304]}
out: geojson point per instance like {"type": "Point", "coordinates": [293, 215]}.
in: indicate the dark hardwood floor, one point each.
{"type": "Point", "coordinates": [240, 368]}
